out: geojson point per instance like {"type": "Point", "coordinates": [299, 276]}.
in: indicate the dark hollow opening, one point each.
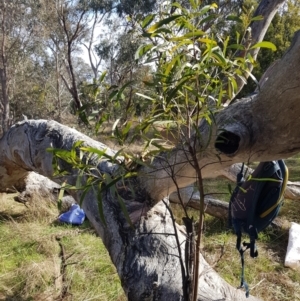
{"type": "Point", "coordinates": [227, 143]}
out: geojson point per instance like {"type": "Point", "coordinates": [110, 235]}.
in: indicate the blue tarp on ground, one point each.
{"type": "Point", "coordinates": [74, 216]}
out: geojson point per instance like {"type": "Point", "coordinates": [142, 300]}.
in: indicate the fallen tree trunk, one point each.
{"type": "Point", "coordinates": [292, 191]}
{"type": "Point", "coordinates": [213, 206]}
{"type": "Point", "coordinates": [37, 185]}
{"type": "Point", "coordinates": [147, 257]}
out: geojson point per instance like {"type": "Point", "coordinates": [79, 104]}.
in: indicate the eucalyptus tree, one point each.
{"type": "Point", "coordinates": [112, 53]}
{"type": "Point", "coordinates": [68, 23]}
{"type": "Point", "coordinates": [125, 198]}
{"type": "Point", "coordinates": [280, 32]}
{"type": "Point", "coordinates": [19, 33]}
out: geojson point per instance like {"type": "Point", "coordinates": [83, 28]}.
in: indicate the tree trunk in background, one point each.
{"type": "Point", "coordinates": [5, 100]}
{"type": "Point", "coordinates": [257, 31]}
{"type": "Point", "coordinates": [3, 71]}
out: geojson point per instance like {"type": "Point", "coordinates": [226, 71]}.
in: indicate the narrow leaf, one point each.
{"type": "Point", "coordinates": [145, 96]}
{"type": "Point", "coordinates": [124, 210]}
{"type": "Point", "coordinates": [258, 18]}
{"type": "Point", "coordinates": [265, 44]}
{"type": "Point", "coordinates": [163, 22]}
{"type": "Point", "coordinates": [60, 195]}
{"type": "Point", "coordinates": [100, 203]}
{"type": "Point", "coordinates": [234, 18]}
{"type": "Point", "coordinates": [148, 20]}
{"type": "Point", "coordinates": [102, 76]}
{"type": "Point", "coordinates": [142, 50]}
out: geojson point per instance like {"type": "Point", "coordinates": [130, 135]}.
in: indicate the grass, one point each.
{"type": "Point", "coordinates": [31, 262]}
{"type": "Point", "coordinates": [266, 275]}
{"type": "Point", "coordinates": [31, 248]}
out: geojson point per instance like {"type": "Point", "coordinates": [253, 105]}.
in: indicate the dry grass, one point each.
{"type": "Point", "coordinates": [31, 259]}
{"type": "Point", "coordinates": [266, 275]}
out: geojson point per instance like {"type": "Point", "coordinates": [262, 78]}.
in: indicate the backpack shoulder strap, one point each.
{"type": "Point", "coordinates": [284, 178]}
{"type": "Point", "coordinates": [239, 181]}
{"type": "Point", "coordinates": [268, 169]}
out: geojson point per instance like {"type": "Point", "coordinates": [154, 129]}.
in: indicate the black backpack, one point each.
{"type": "Point", "coordinates": [255, 203]}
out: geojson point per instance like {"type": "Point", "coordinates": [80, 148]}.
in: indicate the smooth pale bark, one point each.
{"type": "Point", "coordinates": [146, 256]}
{"type": "Point", "coordinates": [259, 128]}
{"type": "Point", "coordinates": [256, 33]}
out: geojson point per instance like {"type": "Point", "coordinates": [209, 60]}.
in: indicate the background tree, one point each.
{"type": "Point", "coordinates": [73, 23]}
{"type": "Point", "coordinates": [19, 33]}
{"type": "Point", "coordinates": [280, 32]}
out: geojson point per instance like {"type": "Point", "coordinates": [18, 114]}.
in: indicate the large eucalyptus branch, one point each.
{"type": "Point", "coordinates": [261, 127]}
{"type": "Point", "coordinates": [256, 32]}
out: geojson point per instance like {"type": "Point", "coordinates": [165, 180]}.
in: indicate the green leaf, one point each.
{"type": "Point", "coordinates": [124, 210]}
{"type": "Point", "coordinates": [236, 46]}
{"type": "Point", "coordinates": [102, 76]}
{"type": "Point", "coordinates": [60, 195]}
{"type": "Point", "coordinates": [148, 20]}
{"type": "Point", "coordinates": [113, 94]}
{"type": "Point", "coordinates": [258, 18]}
{"type": "Point", "coordinates": [142, 50]}
{"type": "Point", "coordinates": [207, 41]}
{"type": "Point", "coordinates": [100, 203]}
{"type": "Point", "coordinates": [82, 115]}
{"type": "Point", "coordinates": [124, 87]}
{"type": "Point", "coordinates": [207, 8]}
{"type": "Point", "coordinates": [229, 189]}
{"type": "Point", "coordinates": [85, 191]}
{"type": "Point", "coordinates": [161, 30]}
{"type": "Point", "coordinates": [193, 4]}
{"type": "Point", "coordinates": [126, 129]}
{"type": "Point", "coordinates": [219, 57]}
{"type": "Point", "coordinates": [172, 65]}
{"type": "Point", "coordinates": [189, 35]}
{"type": "Point", "coordinates": [159, 24]}
{"type": "Point", "coordinates": [234, 18]}
{"type": "Point", "coordinates": [207, 19]}
{"type": "Point", "coordinates": [98, 152]}
{"type": "Point", "coordinates": [145, 96]}
{"type": "Point", "coordinates": [264, 44]}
